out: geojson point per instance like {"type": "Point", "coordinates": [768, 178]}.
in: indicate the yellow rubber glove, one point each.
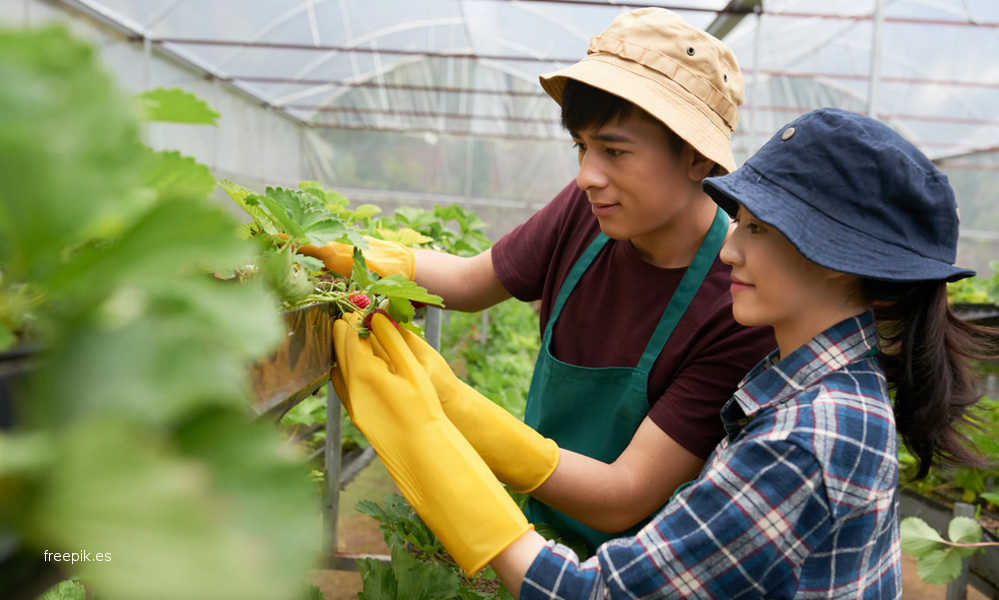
{"type": "Point", "coordinates": [394, 404]}
{"type": "Point", "coordinates": [382, 257]}
{"type": "Point", "coordinates": [517, 454]}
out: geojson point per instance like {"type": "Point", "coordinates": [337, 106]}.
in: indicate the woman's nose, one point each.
{"type": "Point", "coordinates": [730, 253]}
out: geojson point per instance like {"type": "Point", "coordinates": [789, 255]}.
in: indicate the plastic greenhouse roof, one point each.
{"type": "Point", "coordinates": [470, 67]}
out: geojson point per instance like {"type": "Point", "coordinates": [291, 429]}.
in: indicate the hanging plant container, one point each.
{"type": "Point", "coordinates": [300, 365]}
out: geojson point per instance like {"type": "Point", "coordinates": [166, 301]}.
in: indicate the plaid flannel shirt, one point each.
{"type": "Point", "coordinates": [798, 501]}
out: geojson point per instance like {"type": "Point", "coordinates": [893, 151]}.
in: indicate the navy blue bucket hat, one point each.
{"type": "Point", "coordinates": [851, 195]}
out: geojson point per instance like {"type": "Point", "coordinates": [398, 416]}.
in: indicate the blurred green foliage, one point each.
{"type": "Point", "coordinates": [976, 290]}
{"type": "Point", "coordinates": [134, 435]}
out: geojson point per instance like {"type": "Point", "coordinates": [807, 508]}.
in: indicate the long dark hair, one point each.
{"type": "Point", "coordinates": [927, 353]}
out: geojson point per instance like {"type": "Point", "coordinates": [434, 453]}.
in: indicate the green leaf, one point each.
{"type": "Point", "coordinates": [171, 174]}
{"type": "Point", "coordinates": [283, 275]}
{"type": "Point", "coordinates": [992, 497]}
{"type": "Point", "coordinates": [365, 211]}
{"type": "Point", "coordinates": [240, 194]}
{"type": "Point", "coordinates": [965, 530]}
{"type": "Point", "coordinates": [155, 355]}
{"type": "Point", "coordinates": [70, 150]}
{"type": "Point", "coordinates": [177, 238]}
{"type": "Point", "coordinates": [69, 589]}
{"type": "Point", "coordinates": [220, 509]}
{"type": "Point", "coordinates": [335, 201]}
{"type": "Point", "coordinates": [401, 310]}
{"type": "Point", "coordinates": [326, 230]}
{"type": "Point", "coordinates": [405, 236]}
{"type": "Point", "coordinates": [918, 538]}
{"type": "Point", "coordinates": [25, 453]}
{"type": "Point", "coordinates": [175, 105]}
{"type": "Point", "coordinates": [308, 263]}
{"type": "Point", "coordinates": [379, 580]}
{"type": "Point", "coordinates": [397, 286]}
{"type": "Point", "coordinates": [422, 580]}
{"type": "Point", "coordinates": [939, 567]}
{"type": "Point", "coordinates": [362, 277]}
{"type": "Point", "coordinates": [279, 214]}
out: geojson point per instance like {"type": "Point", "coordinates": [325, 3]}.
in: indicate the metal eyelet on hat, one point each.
{"type": "Point", "coordinates": [690, 51]}
{"type": "Point", "coordinates": [788, 133]}
{"type": "Point", "coordinates": [725, 77]}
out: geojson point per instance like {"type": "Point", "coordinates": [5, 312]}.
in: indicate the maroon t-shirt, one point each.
{"type": "Point", "coordinates": [611, 315]}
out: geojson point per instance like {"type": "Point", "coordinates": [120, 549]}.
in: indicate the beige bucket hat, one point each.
{"type": "Point", "coordinates": [686, 78]}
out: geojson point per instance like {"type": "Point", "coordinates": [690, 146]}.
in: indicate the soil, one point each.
{"type": "Point", "coordinates": [359, 534]}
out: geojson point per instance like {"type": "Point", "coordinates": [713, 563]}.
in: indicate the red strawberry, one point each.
{"type": "Point", "coordinates": [360, 301]}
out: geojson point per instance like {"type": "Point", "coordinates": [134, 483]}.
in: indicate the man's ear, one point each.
{"type": "Point", "coordinates": [698, 166]}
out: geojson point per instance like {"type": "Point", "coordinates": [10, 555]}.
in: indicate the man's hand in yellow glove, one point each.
{"type": "Point", "coordinates": [517, 454]}
{"type": "Point", "coordinates": [391, 400]}
{"type": "Point", "coordinates": [382, 257]}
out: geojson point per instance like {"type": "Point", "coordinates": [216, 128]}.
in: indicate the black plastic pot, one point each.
{"type": "Point", "coordinates": [14, 367]}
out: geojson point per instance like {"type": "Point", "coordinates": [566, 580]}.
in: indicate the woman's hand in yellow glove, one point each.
{"type": "Point", "coordinates": [392, 401]}
{"type": "Point", "coordinates": [517, 454]}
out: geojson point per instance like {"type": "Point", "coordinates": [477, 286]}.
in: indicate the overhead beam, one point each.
{"type": "Point", "coordinates": [730, 16]}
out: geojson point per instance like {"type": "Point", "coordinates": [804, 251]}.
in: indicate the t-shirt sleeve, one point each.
{"type": "Point", "coordinates": [523, 257]}
{"type": "Point", "coordinates": [688, 410]}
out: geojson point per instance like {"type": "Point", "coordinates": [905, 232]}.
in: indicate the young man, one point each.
{"type": "Point", "coordinates": [640, 349]}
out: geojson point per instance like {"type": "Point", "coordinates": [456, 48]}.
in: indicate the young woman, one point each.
{"type": "Point", "coordinates": [845, 238]}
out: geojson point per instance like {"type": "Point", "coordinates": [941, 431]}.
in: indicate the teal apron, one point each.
{"type": "Point", "coordinates": [596, 411]}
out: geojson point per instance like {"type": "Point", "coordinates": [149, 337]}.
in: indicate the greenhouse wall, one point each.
{"type": "Point", "coordinates": [250, 144]}
{"type": "Point", "coordinates": [504, 177]}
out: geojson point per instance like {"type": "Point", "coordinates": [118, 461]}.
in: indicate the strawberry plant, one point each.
{"type": "Point", "coordinates": [420, 566]}
{"type": "Point", "coordinates": [940, 560]}
{"type": "Point", "coordinates": [284, 220]}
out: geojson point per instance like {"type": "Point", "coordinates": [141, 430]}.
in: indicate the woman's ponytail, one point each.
{"type": "Point", "coordinates": [926, 354]}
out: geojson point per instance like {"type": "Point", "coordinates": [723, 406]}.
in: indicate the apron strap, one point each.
{"type": "Point", "coordinates": [684, 292]}
{"type": "Point", "coordinates": [575, 273]}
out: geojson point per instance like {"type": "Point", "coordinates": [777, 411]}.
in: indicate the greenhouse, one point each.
{"type": "Point", "coordinates": [213, 213]}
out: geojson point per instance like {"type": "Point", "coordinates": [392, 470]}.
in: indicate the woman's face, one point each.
{"type": "Point", "coordinates": [773, 284]}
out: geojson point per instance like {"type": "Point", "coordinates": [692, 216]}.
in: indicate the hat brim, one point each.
{"type": "Point", "coordinates": [659, 96]}
{"type": "Point", "coordinates": [820, 238]}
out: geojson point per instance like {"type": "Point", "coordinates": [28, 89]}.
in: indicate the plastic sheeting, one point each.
{"type": "Point", "coordinates": [438, 100]}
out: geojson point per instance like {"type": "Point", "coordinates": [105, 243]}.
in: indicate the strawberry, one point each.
{"type": "Point", "coordinates": [361, 301]}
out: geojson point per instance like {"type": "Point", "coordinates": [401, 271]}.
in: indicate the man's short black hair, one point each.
{"type": "Point", "coordinates": [585, 106]}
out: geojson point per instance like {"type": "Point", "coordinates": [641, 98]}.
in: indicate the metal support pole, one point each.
{"type": "Point", "coordinates": [432, 326]}
{"type": "Point", "coordinates": [872, 95]}
{"type": "Point", "coordinates": [147, 72]}
{"type": "Point", "coordinates": [958, 588]}
{"type": "Point", "coordinates": [332, 460]}
{"type": "Point", "coordinates": [753, 121]}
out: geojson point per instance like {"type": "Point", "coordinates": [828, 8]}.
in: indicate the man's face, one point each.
{"type": "Point", "coordinates": [635, 181]}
